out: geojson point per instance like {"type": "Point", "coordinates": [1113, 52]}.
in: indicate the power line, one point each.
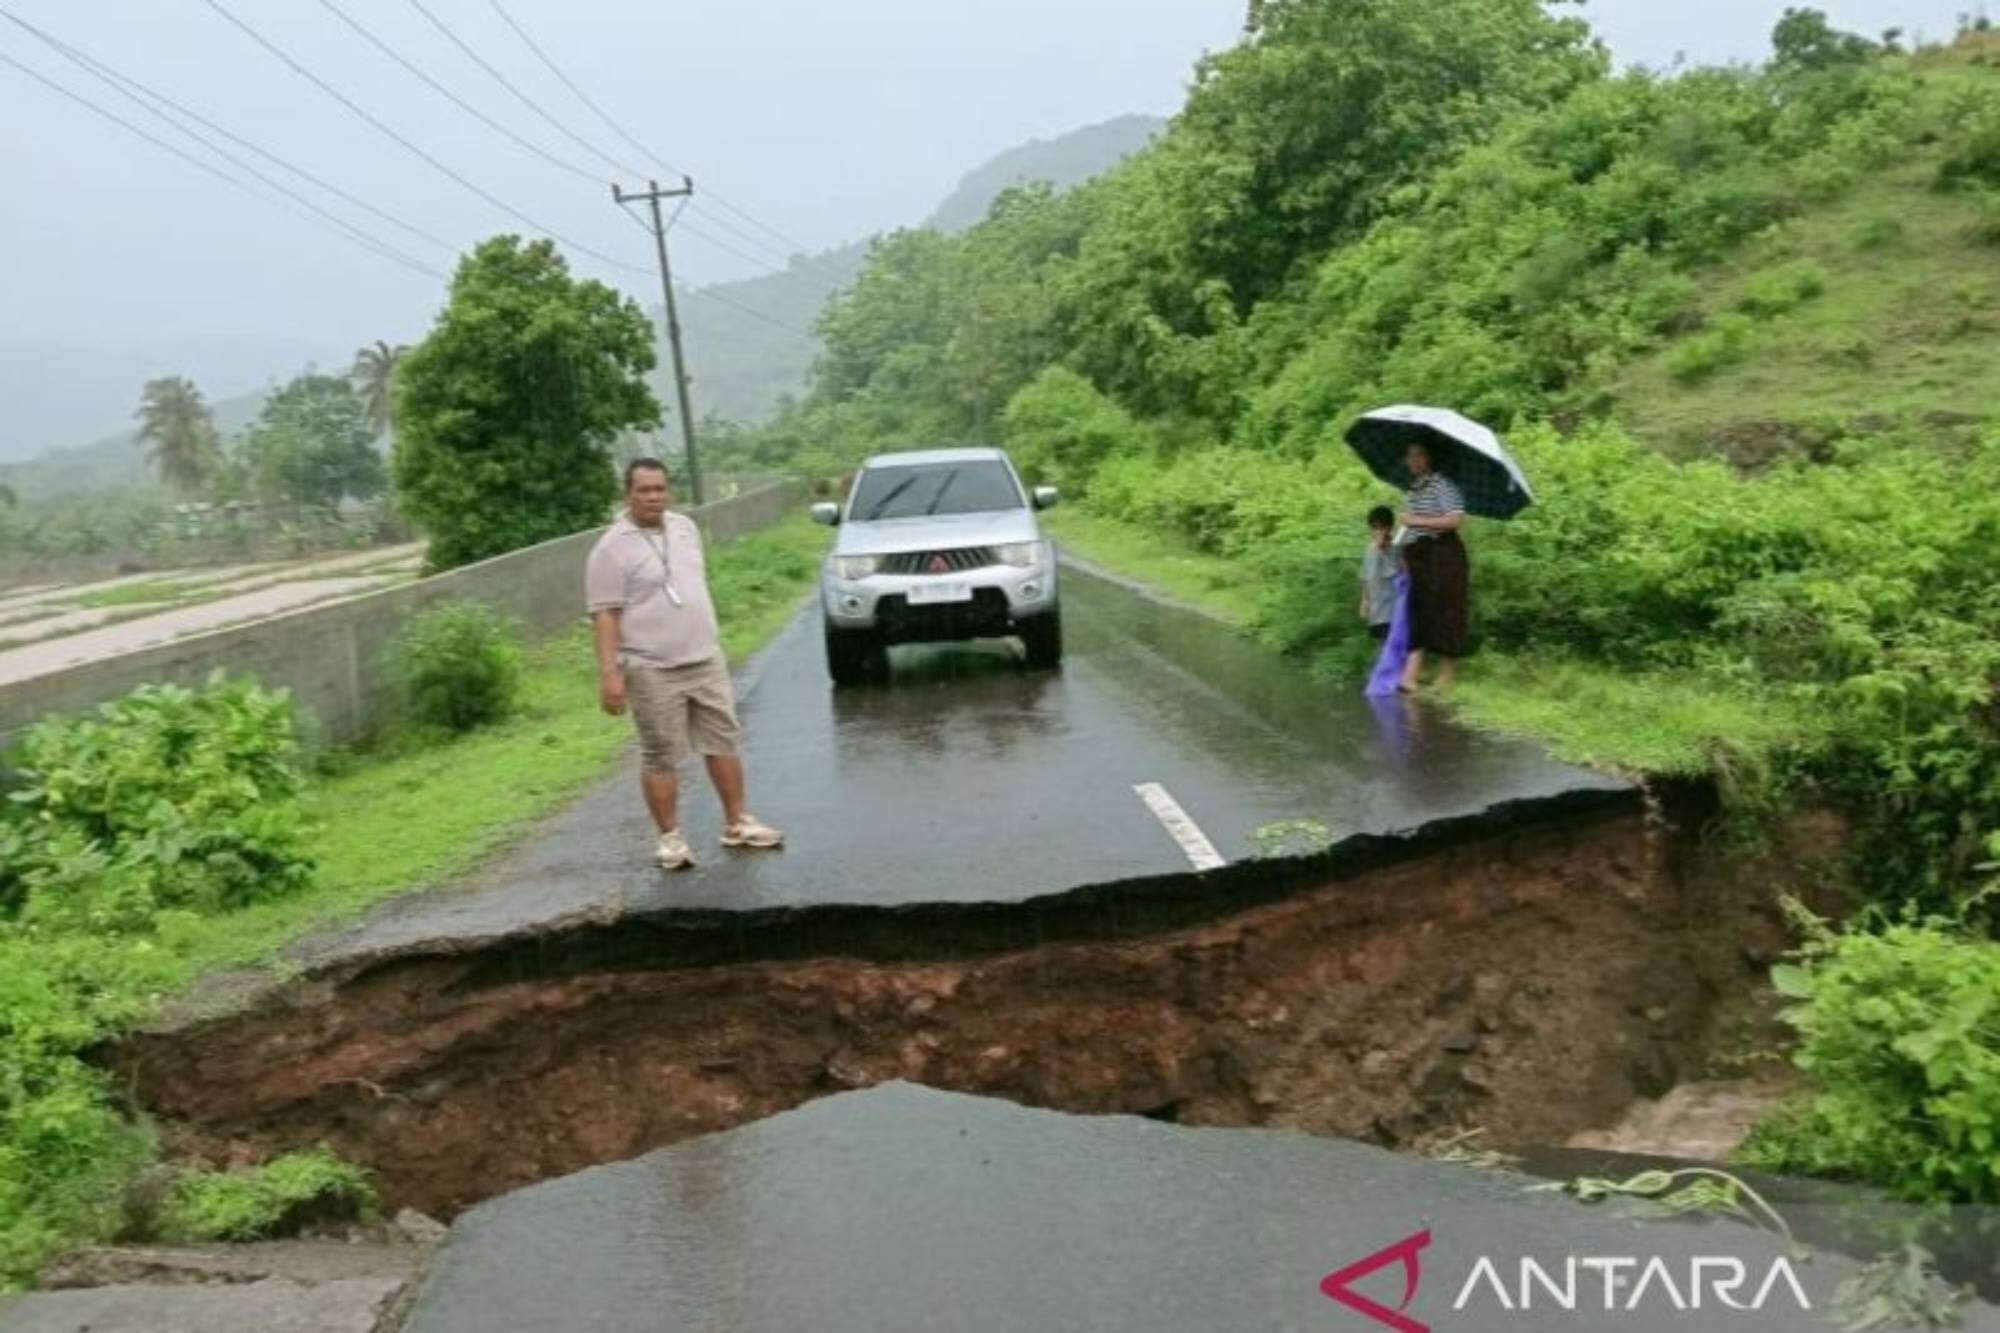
{"type": "Point", "coordinates": [432, 161]}
{"type": "Point", "coordinates": [368, 242]}
{"type": "Point", "coordinates": [764, 269]}
{"type": "Point", "coordinates": [708, 295]}
{"type": "Point", "coordinates": [685, 197]}
{"type": "Point", "coordinates": [124, 86]}
{"type": "Point", "coordinates": [117, 119]}
{"type": "Point", "coordinates": [562, 128]}
{"type": "Point", "coordinates": [797, 247]}
{"type": "Point", "coordinates": [560, 164]}
{"type": "Point", "coordinates": [522, 97]}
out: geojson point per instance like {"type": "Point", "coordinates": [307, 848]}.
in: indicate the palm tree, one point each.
{"type": "Point", "coordinates": [374, 376]}
{"type": "Point", "coordinates": [176, 425]}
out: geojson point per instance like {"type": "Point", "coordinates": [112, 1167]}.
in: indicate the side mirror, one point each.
{"type": "Point", "coordinates": [826, 512]}
{"type": "Point", "coordinates": [1046, 497]}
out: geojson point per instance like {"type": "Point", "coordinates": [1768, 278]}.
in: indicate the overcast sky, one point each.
{"type": "Point", "coordinates": [824, 122]}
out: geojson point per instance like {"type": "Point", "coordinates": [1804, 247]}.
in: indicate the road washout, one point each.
{"type": "Point", "coordinates": [1531, 972]}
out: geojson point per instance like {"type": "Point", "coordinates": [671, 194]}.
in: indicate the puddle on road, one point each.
{"type": "Point", "coordinates": [1532, 983]}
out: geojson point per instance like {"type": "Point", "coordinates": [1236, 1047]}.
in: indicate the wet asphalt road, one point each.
{"type": "Point", "coordinates": [967, 777]}
{"type": "Point", "coordinates": [905, 1210]}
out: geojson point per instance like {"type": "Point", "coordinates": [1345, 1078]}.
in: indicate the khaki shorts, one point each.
{"type": "Point", "coordinates": [678, 709]}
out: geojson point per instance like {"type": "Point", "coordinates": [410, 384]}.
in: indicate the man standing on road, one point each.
{"type": "Point", "coordinates": [659, 652]}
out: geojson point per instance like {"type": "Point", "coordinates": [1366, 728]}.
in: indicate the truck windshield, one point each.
{"type": "Point", "coordinates": [920, 489]}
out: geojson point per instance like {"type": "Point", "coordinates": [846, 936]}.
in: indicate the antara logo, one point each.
{"type": "Point", "coordinates": [1408, 1252]}
{"type": "Point", "coordinates": [1612, 1283]}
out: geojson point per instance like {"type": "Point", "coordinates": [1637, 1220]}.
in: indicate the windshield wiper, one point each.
{"type": "Point", "coordinates": [875, 511]}
{"type": "Point", "coordinates": [943, 486]}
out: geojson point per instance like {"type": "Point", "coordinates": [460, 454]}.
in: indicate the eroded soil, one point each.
{"type": "Point", "coordinates": [1534, 983]}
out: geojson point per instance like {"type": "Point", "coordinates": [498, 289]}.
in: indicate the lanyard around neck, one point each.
{"type": "Point", "coordinates": [660, 553]}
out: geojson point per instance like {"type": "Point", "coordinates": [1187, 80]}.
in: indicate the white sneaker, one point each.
{"type": "Point", "coordinates": [751, 831]}
{"type": "Point", "coordinates": [673, 852]}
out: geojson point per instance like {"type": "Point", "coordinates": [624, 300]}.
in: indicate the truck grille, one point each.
{"type": "Point", "coordinates": [938, 562]}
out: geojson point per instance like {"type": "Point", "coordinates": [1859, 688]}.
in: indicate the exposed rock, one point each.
{"type": "Point", "coordinates": [417, 1228]}
{"type": "Point", "coordinates": [1701, 1121]}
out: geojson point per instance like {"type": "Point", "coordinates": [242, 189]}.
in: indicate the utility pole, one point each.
{"type": "Point", "coordinates": [652, 195]}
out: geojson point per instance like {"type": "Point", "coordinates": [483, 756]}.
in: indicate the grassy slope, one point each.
{"type": "Point", "coordinates": [1907, 329]}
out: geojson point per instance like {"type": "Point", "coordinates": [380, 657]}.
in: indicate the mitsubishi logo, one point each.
{"type": "Point", "coordinates": [940, 565]}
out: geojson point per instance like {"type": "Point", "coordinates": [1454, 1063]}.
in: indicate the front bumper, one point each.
{"type": "Point", "coordinates": [1002, 597]}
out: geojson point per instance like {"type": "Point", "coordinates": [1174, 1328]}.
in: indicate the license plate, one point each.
{"type": "Point", "coordinates": [931, 594]}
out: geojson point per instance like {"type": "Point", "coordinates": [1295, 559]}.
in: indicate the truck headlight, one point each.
{"type": "Point", "coordinates": [856, 566]}
{"type": "Point", "coordinates": [1022, 555]}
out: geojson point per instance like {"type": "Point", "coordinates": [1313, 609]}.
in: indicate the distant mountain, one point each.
{"type": "Point", "coordinates": [750, 343]}
{"type": "Point", "coordinates": [116, 460]}
{"type": "Point", "coordinates": [745, 345]}
{"type": "Point", "coordinates": [56, 393]}
{"type": "Point", "coordinates": [1065, 161]}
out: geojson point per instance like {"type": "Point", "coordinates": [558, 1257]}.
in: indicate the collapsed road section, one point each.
{"type": "Point", "coordinates": [1530, 971]}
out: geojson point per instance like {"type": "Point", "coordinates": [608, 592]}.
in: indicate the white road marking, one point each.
{"type": "Point", "coordinates": [1183, 830]}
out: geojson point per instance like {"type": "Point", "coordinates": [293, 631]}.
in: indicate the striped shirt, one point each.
{"type": "Point", "coordinates": [1433, 497]}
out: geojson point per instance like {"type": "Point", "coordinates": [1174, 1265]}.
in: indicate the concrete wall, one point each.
{"type": "Point", "coordinates": [332, 658]}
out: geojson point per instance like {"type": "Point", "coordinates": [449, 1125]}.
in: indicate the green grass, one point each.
{"type": "Point", "coordinates": [1219, 586]}
{"type": "Point", "coordinates": [146, 590]}
{"type": "Point", "coordinates": [1668, 725]}
{"type": "Point", "coordinates": [272, 1199]}
{"type": "Point", "coordinates": [1905, 328]}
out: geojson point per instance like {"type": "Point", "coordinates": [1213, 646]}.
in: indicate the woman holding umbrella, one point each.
{"type": "Point", "coordinates": [1440, 573]}
{"type": "Point", "coordinates": [1447, 466]}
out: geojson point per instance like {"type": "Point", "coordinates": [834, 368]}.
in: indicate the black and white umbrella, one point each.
{"type": "Point", "coordinates": [1460, 448]}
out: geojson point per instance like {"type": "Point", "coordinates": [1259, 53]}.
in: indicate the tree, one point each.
{"type": "Point", "coordinates": [1805, 40]}
{"type": "Point", "coordinates": [374, 377]}
{"type": "Point", "coordinates": [507, 411]}
{"type": "Point", "coordinates": [312, 445]}
{"type": "Point", "coordinates": [1292, 142]}
{"type": "Point", "coordinates": [179, 432]}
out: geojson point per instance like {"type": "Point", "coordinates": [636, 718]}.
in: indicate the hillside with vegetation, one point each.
{"type": "Point", "coordinates": [746, 355]}
{"type": "Point", "coordinates": [1741, 326]}
{"type": "Point", "coordinates": [113, 462]}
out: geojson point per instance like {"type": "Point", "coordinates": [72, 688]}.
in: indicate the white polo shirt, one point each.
{"type": "Point", "coordinates": [657, 578]}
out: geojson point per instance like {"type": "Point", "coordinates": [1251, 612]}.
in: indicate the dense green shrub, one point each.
{"type": "Point", "coordinates": [1972, 139]}
{"type": "Point", "coordinates": [167, 798]}
{"type": "Point", "coordinates": [1986, 225]}
{"type": "Point", "coordinates": [1879, 232]}
{"type": "Point", "coordinates": [1899, 1033]}
{"type": "Point", "coordinates": [459, 665]}
{"type": "Point", "coordinates": [1060, 429]}
{"type": "Point", "coordinates": [274, 1199]}
{"type": "Point", "coordinates": [1724, 343]}
{"type": "Point", "coordinates": [120, 825]}
{"type": "Point", "coordinates": [1781, 289]}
